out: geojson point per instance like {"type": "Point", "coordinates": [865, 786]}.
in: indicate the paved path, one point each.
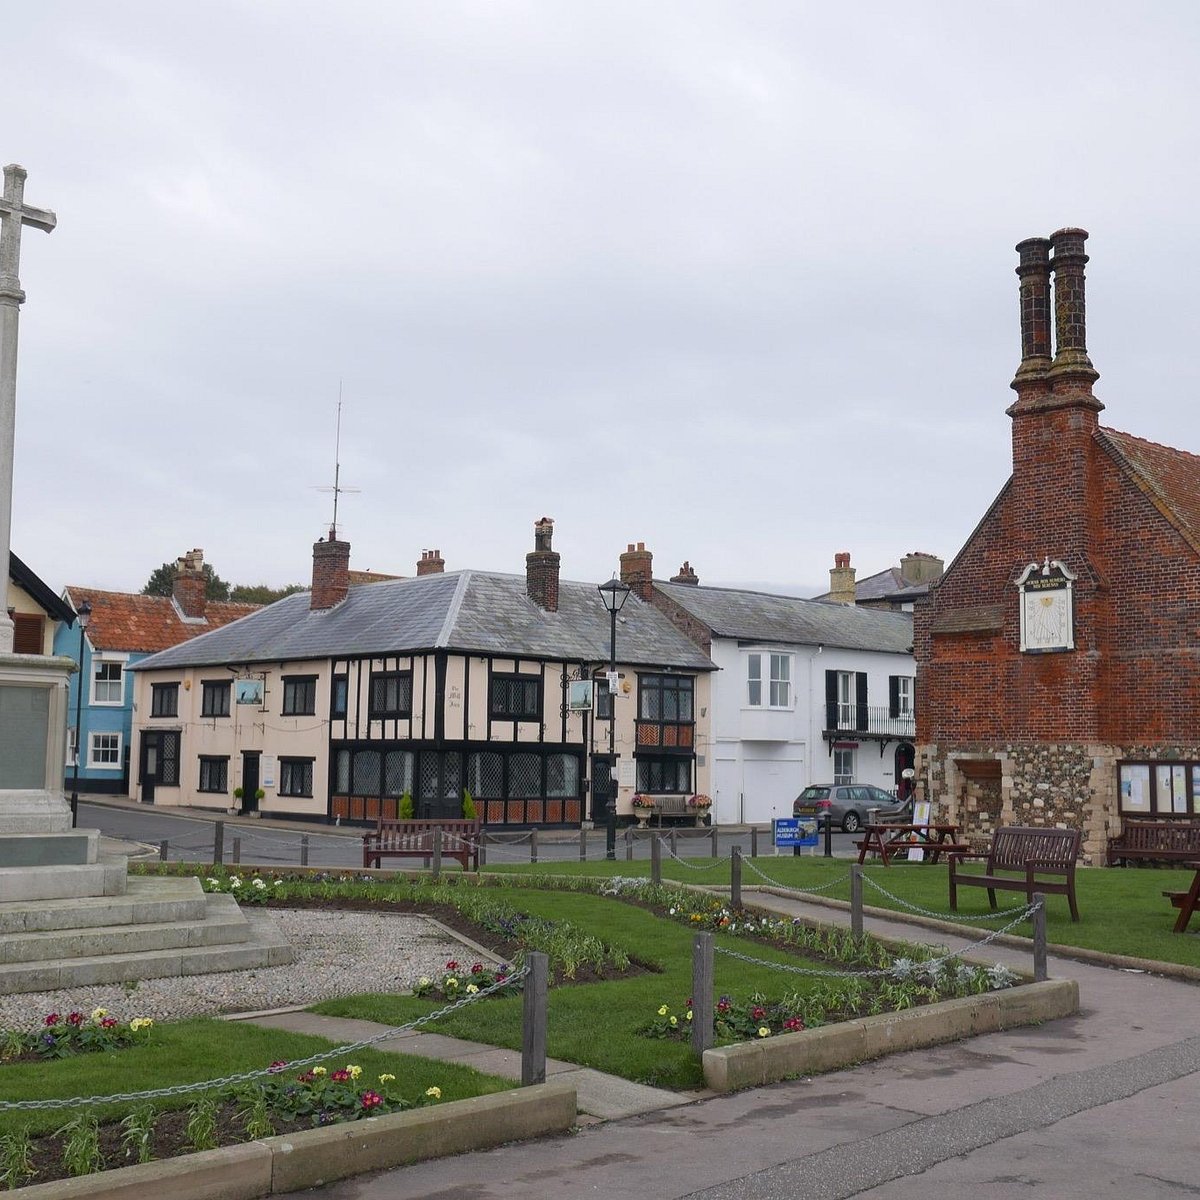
{"type": "Point", "coordinates": [1099, 1105]}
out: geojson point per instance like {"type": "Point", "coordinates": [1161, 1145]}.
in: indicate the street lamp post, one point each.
{"type": "Point", "coordinates": [83, 616]}
{"type": "Point", "coordinates": [614, 593]}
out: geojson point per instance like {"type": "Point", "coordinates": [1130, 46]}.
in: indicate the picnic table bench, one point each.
{"type": "Point", "coordinates": [1163, 841]}
{"type": "Point", "coordinates": [888, 840]}
{"type": "Point", "coordinates": [1186, 902]}
{"type": "Point", "coordinates": [1025, 859]}
{"type": "Point", "coordinates": [415, 839]}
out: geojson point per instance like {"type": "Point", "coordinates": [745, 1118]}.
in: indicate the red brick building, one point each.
{"type": "Point", "coordinates": [1057, 658]}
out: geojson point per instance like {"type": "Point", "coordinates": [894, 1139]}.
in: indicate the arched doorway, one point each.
{"type": "Point", "coordinates": [906, 757]}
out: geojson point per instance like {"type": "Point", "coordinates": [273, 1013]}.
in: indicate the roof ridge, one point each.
{"type": "Point", "coordinates": [452, 610]}
{"type": "Point", "coordinates": [1133, 437]}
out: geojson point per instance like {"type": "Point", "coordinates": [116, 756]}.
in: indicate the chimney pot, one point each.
{"type": "Point", "coordinates": [431, 563]}
{"type": "Point", "coordinates": [331, 573]}
{"type": "Point", "coordinates": [686, 575]}
{"type": "Point", "coordinates": [637, 570]}
{"type": "Point", "coordinates": [841, 579]}
{"type": "Point", "coordinates": [189, 588]}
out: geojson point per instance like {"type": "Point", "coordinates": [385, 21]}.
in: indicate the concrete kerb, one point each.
{"type": "Point", "coordinates": [314, 1157]}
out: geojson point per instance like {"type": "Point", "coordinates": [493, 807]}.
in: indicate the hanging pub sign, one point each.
{"type": "Point", "coordinates": [249, 691]}
{"type": "Point", "coordinates": [579, 695]}
{"type": "Point", "coordinates": [1047, 607]}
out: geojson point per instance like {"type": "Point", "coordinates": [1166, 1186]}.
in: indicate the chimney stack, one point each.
{"type": "Point", "coordinates": [1034, 274]}
{"type": "Point", "coordinates": [1072, 370]}
{"type": "Point", "coordinates": [919, 567]}
{"type": "Point", "coordinates": [637, 571]}
{"type": "Point", "coordinates": [686, 575]}
{"type": "Point", "coordinates": [190, 585]}
{"type": "Point", "coordinates": [541, 567]}
{"type": "Point", "coordinates": [331, 572]}
{"type": "Point", "coordinates": [841, 579]}
{"type": "Point", "coordinates": [431, 562]}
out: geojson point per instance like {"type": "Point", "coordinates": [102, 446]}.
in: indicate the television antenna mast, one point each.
{"type": "Point", "coordinates": [337, 489]}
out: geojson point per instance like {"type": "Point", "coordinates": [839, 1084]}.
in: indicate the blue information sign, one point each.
{"type": "Point", "coordinates": [787, 831]}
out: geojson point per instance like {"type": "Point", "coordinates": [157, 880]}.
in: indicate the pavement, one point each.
{"type": "Point", "coordinates": [1097, 1105]}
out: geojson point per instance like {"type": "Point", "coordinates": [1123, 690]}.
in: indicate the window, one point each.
{"type": "Point", "coordinates": [70, 745]}
{"type": "Point", "coordinates": [338, 696]}
{"type": "Point", "coordinates": [104, 751]}
{"type": "Point", "coordinates": [296, 775]}
{"type": "Point", "coordinates": [904, 695]}
{"type": "Point", "coordinates": [604, 701]}
{"type": "Point", "coordinates": [779, 693]}
{"type": "Point", "coordinates": [299, 699]}
{"type": "Point", "coordinates": [215, 700]}
{"type": "Point", "coordinates": [845, 699]}
{"type": "Point", "coordinates": [665, 697]}
{"type": "Point", "coordinates": [164, 699]}
{"type": "Point", "coordinates": [664, 774]}
{"type": "Point", "coordinates": [168, 757]}
{"type": "Point", "coordinates": [485, 774]}
{"type": "Point", "coordinates": [391, 695]}
{"type": "Point", "coordinates": [214, 774]}
{"type": "Point", "coordinates": [562, 775]}
{"type": "Point", "coordinates": [843, 766]}
{"type": "Point", "coordinates": [516, 697]}
{"type": "Point", "coordinates": [108, 682]}
{"type": "Point", "coordinates": [341, 772]}
{"type": "Point", "coordinates": [399, 771]}
{"type": "Point", "coordinates": [28, 635]}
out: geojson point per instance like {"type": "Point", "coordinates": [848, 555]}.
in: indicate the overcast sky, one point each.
{"type": "Point", "coordinates": [732, 279]}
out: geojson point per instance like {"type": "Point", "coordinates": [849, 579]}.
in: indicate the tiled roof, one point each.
{"type": "Point", "coordinates": [761, 617]}
{"type": "Point", "coordinates": [474, 611]}
{"type": "Point", "coordinates": [122, 621]}
{"type": "Point", "coordinates": [1169, 477]}
{"type": "Point", "coordinates": [887, 584]}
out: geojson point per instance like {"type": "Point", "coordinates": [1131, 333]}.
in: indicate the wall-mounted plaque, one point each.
{"type": "Point", "coordinates": [1047, 607]}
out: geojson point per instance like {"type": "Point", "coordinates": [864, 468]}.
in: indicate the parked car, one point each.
{"type": "Point", "coordinates": [849, 804]}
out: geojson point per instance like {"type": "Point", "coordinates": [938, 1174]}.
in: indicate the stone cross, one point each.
{"type": "Point", "coordinates": [14, 213]}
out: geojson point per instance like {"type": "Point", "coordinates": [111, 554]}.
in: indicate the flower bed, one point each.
{"type": "Point", "coordinates": [457, 981]}
{"type": "Point", "coordinates": [60, 1036]}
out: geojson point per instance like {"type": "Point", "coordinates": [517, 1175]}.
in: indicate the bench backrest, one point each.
{"type": "Point", "coordinates": [1014, 845]}
{"type": "Point", "coordinates": [1171, 837]}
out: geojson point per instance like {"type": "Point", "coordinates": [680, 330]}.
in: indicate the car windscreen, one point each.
{"type": "Point", "coordinates": [815, 793]}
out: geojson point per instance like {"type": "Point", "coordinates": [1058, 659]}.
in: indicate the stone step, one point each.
{"type": "Point", "coordinates": [34, 884]}
{"type": "Point", "coordinates": [265, 947]}
{"type": "Point", "coordinates": [144, 901]}
{"type": "Point", "coordinates": [223, 924]}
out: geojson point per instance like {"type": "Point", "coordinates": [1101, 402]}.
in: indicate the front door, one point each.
{"type": "Point", "coordinates": [148, 765]}
{"type": "Point", "coordinates": [604, 785]}
{"type": "Point", "coordinates": [905, 758]}
{"type": "Point", "coordinates": [250, 780]}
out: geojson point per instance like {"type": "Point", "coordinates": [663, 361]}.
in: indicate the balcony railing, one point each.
{"type": "Point", "coordinates": [869, 721]}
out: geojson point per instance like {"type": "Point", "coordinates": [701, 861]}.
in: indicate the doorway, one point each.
{"type": "Point", "coordinates": [149, 754]}
{"type": "Point", "coordinates": [906, 757]}
{"type": "Point", "coordinates": [604, 786]}
{"type": "Point", "coordinates": [250, 780]}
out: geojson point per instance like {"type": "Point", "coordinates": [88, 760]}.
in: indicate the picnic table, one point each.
{"type": "Point", "coordinates": [887, 840]}
{"type": "Point", "coordinates": [1186, 902]}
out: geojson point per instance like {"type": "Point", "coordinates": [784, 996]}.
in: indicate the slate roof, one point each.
{"type": "Point", "coordinates": [38, 592]}
{"type": "Point", "coordinates": [473, 611]}
{"type": "Point", "coordinates": [1169, 477]}
{"type": "Point", "coordinates": [761, 617]}
{"type": "Point", "coordinates": [122, 621]}
{"type": "Point", "coordinates": [887, 584]}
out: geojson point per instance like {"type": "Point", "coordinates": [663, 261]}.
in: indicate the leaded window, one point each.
{"type": "Point", "coordinates": [214, 700]}
{"type": "Point", "coordinates": [664, 774]}
{"type": "Point", "coordinates": [295, 777]}
{"type": "Point", "coordinates": [391, 694]}
{"type": "Point", "coordinates": [516, 697]}
{"type": "Point", "coordinates": [485, 775]}
{"type": "Point", "coordinates": [366, 772]}
{"type": "Point", "coordinates": [524, 776]}
{"type": "Point", "coordinates": [398, 772]}
{"type": "Point", "coordinates": [214, 774]}
{"type": "Point", "coordinates": [562, 775]}
{"type": "Point", "coordinates": [164, 700]}
{"type": "Point", "coordinates": [665, 697]}
{"type": "Point", "coordinates": [299, 695]}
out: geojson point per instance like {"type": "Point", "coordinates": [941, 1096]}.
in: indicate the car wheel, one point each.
{"type": "Point", "coordinates": [851, 822]}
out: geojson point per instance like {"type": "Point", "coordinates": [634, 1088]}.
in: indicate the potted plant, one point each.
{"type": "Point", "coordinates": [258, 799]}
{"type": "Point", "coordinates": [643, 806]}
{"type": "Point", "coordinates": [700, 804]}
{"type": "Point", "coordinates": [238, 793]}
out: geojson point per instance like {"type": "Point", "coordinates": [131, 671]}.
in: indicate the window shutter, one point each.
{"type": "Point", "coordinates": [893, 696]}
{"type": "Point", "coordinates": [831, 699]}
{"type": "Point", "coordinates": [860, 683]}
{"type": "Point", "coordinates": [27, 633]}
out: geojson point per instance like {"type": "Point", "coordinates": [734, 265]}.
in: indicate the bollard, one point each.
{"type": "Point", "coordinates": [437, 853]}
{"type": "Point", "coordinates": [702, 993]}
{"type": "Point", "coordinates": [533, 846]}
{"type": "Point", "coordinates": [753, 841]}
{"type": "Point", "coordinates": [629, 844]}
{"type": "Point", "coordinates": [482, 850]}
{"type": "Point", "coordinates": [655, 859]}
{"type": "Point", "coordinates": [583, 845]}
{"type": "Point", "coordinates": [735, 879]}
{"type": "Point", "coordinates": [533, 1021]}
{"type": "Point", "coordinates": [236, 856]}
{"type": "Point", "coordinates": [856, 916]}
{"type": "Point", "coordinates": [218, 843]}
{"type": "Point", "coordinates": [1039, 938]}
{"type": "Point", "coordinates": [304, 849]}
{"type": "Point", "coordinates": [716, 851]}
{"type": "Point", "coordinates": [162, 850]}
{"type": "Point", "coordinates": [829, 835]}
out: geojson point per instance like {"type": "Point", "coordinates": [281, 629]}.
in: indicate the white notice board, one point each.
{"type": "Point", "coordinates": [922, 815]}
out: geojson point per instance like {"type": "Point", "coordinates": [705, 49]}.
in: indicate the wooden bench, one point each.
{"type": "Point", "coordinates": [1162, 841]}
{"type": "Point", "coordinates": [1186, 902]}
{"type": "Point", "coordinates": [666, 806]}
{"type": "Point", "coordinates": [1023, 859]}
{"type": "Point", "coordinates": [415, 839]}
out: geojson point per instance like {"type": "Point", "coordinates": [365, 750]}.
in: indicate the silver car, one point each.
{"type": "Point", "coordinates": [849, 803]}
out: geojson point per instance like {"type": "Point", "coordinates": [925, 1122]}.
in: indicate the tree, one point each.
{"type": "Point", "coordinates": [162, 580]}
{"type": "Point", "coordinates": [261, 593]}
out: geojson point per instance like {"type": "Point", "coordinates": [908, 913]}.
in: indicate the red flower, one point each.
{"type": "Point", "coordinates": [476, 968]}
{"type": "Point", "coordinates": [452, 965]}
{"type": "Point", "coordinates": [280, 1064]}
{"type": "Point", "coordinates": [371, 1099]}
{"type": "Point", "coordinates": [52, 1019]}
{"type": "Point", "coordinates": [307, 1077]}
{"type": "Point", "coordinates": [758, 1013]}
{"type": "Point", "coordinates": [75, 1018]}
{"type": "Point", "coordinates": [340, 1076]}
{"type": "Point", "coordinates": [793, 1023]}
{"type": "Point", "coordinates": [108, 1022]}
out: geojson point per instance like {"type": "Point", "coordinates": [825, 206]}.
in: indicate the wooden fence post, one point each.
{"type": "Point", "coordinates": [629, 844]}
{"type": "Point", "coordinates": [856, 916]}
{"type": "Point", "coordinates": [533, 845]}
{"type": "Point", "coordinates": [702, 993]}
{"type": "Point", "coordinates": [1039, 938]}
{"type": "Point", "coordinates": [437, 853]}
{"type": "Point", "coordinates": [533, 1022]}
{"type": "Point", "coordinates": [236, 856]}
{"type": "Point", "coordinates": [482, 849]}
{"type": "Point", "coordinates": [674, 844]}
{"type": "Point", "coordinates": [753, 841]}
{"type": "Point", "coordinates": [304, 849]}
{"type": "Point", "coordinates": [218, 843]}
{"type": "Point", "coordinates": [162, 850]}
{"type": "Point", "coordinates": [735, 878]}
{"type": "Point", "coordinates": [583, 845]}
{"type": "Point", "coordinates": [716, 851]}
{"type": "Point", "coordinates": [655, 859]}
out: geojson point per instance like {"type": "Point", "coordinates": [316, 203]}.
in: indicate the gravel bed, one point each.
{"type": "Point", "coordinates": [338, 953]}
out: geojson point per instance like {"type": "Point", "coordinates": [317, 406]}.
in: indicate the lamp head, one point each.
{"type": "Point", "coordinates": [84, 615]}
{"type": "Point", "coordinates": [614, 593]}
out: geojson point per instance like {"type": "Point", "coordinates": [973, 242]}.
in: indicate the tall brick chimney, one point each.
{"type": "Point", "coordinates": [541, 567]}
{"type": "Point", "coordinates": [637, 570]}
{"type": "Point", "coordinates": [190, 585]}
{"type": "Point", "coordinates": [431, 562]}
{"type": "Point", "coordinates": [686, 575]}
{"type": "Point", "coordinates": [331, 572]}
{"type": "Point", "coordinates": [1033, 271]}
{"type": "Point", "coordinates": [1072, 372]}
{"type": "Point", "coordinates": [841, 579]}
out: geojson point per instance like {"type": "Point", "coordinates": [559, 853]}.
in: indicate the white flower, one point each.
{"type": "Point", "coordinates": [258, 883]}
{"type": "Point", "coordinates": [213, 882]}
{"type": "Point", "coordinates": [234, 881]}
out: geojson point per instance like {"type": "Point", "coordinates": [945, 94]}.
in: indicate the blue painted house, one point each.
{"type": "Point", "coordinates": [123, 629]}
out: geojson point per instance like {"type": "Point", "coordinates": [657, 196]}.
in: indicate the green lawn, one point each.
{"type": "Point", "coordinates": [1122, 911]}
{"type": "Point", "coordinates": [191, 1051]}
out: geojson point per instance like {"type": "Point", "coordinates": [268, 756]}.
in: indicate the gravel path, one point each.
{"type": "Point", "coordinates": [338, 953]}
